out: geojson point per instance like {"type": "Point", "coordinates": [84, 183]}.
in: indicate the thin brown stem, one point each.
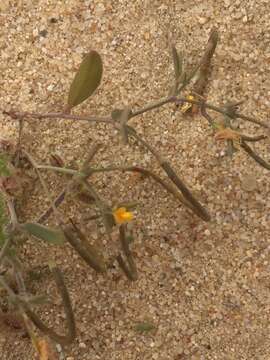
{"type": "Point", "coordinates": [169, 188]}
{"type": "Point", "coordinates": [57, 202]}
{"type": "Point", "coordinates": [130, 268]}
{"type": "Point", "coordinates": [12, 213]}
{"type": "Point", "coordinates": [145, 144]}
{"type": "Point", "coordinates": [60, 198]}
{"type": "Point", "coordinates": [44, 185]}
{"type": "Point", "coordinates": [255, 156]}
{"type": "Point", "coordinates": [206, 115]}
{"type": "Point", "coordinates": [19, 142]}
{"type": "Point", "coordinates": [92, 152]}
{"type": "Point", "coordinates": [174, 99]}
{"type": "Point", "coordinates": [28, 115]}
{"type": "Point", "coordinates": [204, 69]}
{"type": "Point", "coordinates": [200, 210]}
{"type": "Point", "coordinates": [60, 170]}
{"type": "Point", "coordinates": [85, 250]}
{"type": "Point", "coordinates": [253, 138]}
{"type": "Point", "coordinates": [104, 208]}
{"type": "Point", "coordinates": [173, 177]}
{"type": "Point", "coordinates": [252, 120]}
{"type": "Point", "coordinates": [61, 339]}
{"type": "Point", "coordinates": [151, 106]}
{"type": "Point", "coordinates": [220, 110]}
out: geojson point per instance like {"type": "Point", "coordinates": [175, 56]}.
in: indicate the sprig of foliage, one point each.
{"type": "Point", "coordinates": [4, 170]}
{"type": "Point", "coordinates": [3, 221]}
{"type": "Point", "coordinates": [82, 187]}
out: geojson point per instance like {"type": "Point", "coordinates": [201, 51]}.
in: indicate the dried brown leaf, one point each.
{"type": "Point", "coordinates": [45, 349]}
{"type": "Point", "coordinates": [227, 134]}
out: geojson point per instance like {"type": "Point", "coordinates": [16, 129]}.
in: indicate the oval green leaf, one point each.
{"type": "Point", "coordinates": [42, 232]}
{"type": "Point", "coordinates": [177, 63]}
{"type": "Point", "coordinates": [86, 80]}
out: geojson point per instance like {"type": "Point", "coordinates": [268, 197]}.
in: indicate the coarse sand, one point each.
{"type": "Point", "coordinates": [203, 286]}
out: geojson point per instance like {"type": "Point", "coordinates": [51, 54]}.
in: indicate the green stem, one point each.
{"type": "Point", "coordinates": [61, 170]}
{"type": "Point", "coordinates": [5, 248]}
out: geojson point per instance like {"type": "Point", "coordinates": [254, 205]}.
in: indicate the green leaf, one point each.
{"type": "Point", "coordinates": [143, 327]}
{"type": "Point", "coordinates": [86, 80]}
{"type": "Point", "coordinates": [61, 170]}
{"type": "Point", "coordinates": [178, 70]}
{"type": "Point", "coordinates": [3, 221]}
{"type": "Point", "coordinates": [177, 63]}
{"type": "Point", "coordinates": [4, 170]}
{"type": "Point", "coordinates": [42, 232]}
{"type": "Point", "coordinates": [108, 221]}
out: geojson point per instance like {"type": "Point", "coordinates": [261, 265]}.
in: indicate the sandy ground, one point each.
{"type": "Point", "coordinates": [204, 286]}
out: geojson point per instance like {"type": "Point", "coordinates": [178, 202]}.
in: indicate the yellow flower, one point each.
{"type": "Point", "coordinates": [121, 215]}
{"type": "Point", "coordinates": [186, 106]}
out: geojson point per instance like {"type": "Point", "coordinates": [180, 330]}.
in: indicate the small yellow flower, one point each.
{"type": "Point", "coordinates": [186, 106]}
{"type": "Point", "coordinates": [121, 215]}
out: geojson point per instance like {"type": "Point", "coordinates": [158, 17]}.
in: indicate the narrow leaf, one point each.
{"type": "Point", "coordinates": [88, 252]}
{"type": "Point", "coordinates": [197, 207]}
{"type": "Point", "coordinates": [177, 63]}
{"type": "Point", "coordinates": [52, 236]}
{"type": "Point", "coordinates": [178, 70]}
{"type": "Point", "coordinates": [108, 221]}
{"type": "Point", "coordinates": [123, 120]}
{"type": "Point", "coordinates": [86, 80]}
{"type": "Point", "coordinates": [4, 170]}
{"type": "Point", "coordinates": [61, 170]}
